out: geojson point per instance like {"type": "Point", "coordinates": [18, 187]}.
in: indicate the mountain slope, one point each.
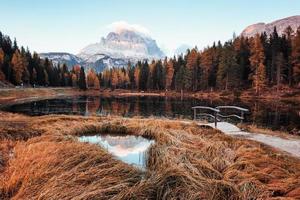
{"type": "Point", "coordinates": [61, 57]}
{"type": "Point", "coordinates": [280, 24]}
{"type": "Point", "coordinates": [116, 50]}
{"type": "Point", "coordinates": [125, 44]}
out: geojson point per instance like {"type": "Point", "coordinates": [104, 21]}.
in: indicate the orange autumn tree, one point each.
{"type": "Point", "coordinates": [19, 65]}
{"type": "Point", "coordinates": [137, 77]}
{"type": "Point", "coordinates": [257, 59]}
{"type": "Point", "coordinates": [2, 76]}
{"type": "Point", "coordinates": [91, 78]}
{"type": "Point", "coordinates": [169, 73]}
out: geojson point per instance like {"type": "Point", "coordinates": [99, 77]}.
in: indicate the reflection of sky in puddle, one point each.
{"type": "Point", "coordinates": [129, 149]}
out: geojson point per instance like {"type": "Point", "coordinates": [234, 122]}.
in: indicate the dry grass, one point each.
{"type": "Point", "coordinates": [186, 162]}
{"type": "Point", "coordinates": [282, 134]}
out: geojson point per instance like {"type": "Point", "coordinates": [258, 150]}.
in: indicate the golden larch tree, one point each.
{"type": "Point", "coordinates": [2, 76]}
{"type": "Point", "coordinates": [169, 73]}
{"type": "Point", "coordinates": [19, 64]}
{"type": "Point", "coordinates": [137, 77]}
{"type": "Point", "coordinates": [257, 59]}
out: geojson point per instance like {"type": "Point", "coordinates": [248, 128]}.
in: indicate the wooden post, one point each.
{"type": "Point", "coordinates": [215, 119]}
{"type": "Point", "coordinates": [195, 114]}
{"type": "Point", "coordinates": [242, 116]}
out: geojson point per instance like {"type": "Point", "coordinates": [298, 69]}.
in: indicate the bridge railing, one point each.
{"type": "Point", "coordinates": [217, 112]}
{"type": "Point", "coordinates": [242, 110]}
{"type": "Point", "coordinates": [214, 116]}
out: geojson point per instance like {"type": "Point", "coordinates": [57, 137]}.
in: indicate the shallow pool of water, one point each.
{"type": "Point", "coordinates": [129, 149]}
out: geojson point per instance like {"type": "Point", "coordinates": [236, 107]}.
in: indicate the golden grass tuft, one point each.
{"type": "Point", "coordinates": [186, 162]}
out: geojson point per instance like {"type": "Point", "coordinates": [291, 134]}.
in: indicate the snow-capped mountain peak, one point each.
{"type": "Point", "coordinates": [125, 44]}
{"type": "Point", "coordinates": [62, 58]}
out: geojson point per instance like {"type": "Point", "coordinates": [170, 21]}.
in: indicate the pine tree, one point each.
{"type": "Point", "coordinates": [180, 78]}
{"type": "Point", "coordinates": [242, 48]}
{"type": "Point", "coordinates": [228, 75]}
{"type": "Point", "coordinates": [257, 64]}
{"type": "Point", "coordinates": [296, 57]}
{"type": "Point", "coordinates": [144, 72]}
{"type": "Point", "coordinates": [169, 66]}
{"type": "Point", "coordinates": [288, 54]}
{"type": "Point", "coordinates": [275, 48]}
{"type": "Point", "coordinates": [46, 78]}
{"type": "Point", "coordinates": [82, 81]}
{"type": "Point", "coordinates": [280, 65]}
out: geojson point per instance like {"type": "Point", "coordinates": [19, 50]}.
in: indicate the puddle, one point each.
{"type": "Point", "coordinates": [129, 149]}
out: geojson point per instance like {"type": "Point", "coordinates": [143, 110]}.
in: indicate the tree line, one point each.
{"type": "Point", "coordinates": [257, 63]}
{"type": "Point", "coordinates": [19, 66]}
{"type": "Point", "coordinates": [241, 63]}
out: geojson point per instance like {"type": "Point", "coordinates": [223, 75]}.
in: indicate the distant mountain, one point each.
{"type": "Point", "coordinates": [61, 57]}
{"type": "Point", "coordinates": [182, 49]}
{"type": "Point", "coordinates": [113, 51]}
{"type": "Point", "coordinates": [120, 47]}
{"type": "Point", "coordinates": [125, 44]}
{"type": "Point", "coordinates": [281, 25]}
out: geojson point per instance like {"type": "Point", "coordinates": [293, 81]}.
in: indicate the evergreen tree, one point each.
{"type": "Point", "coordinates": [82, 82]}
{"type": "Point", "coordinates": [242, 48]}
{"type": "Point", "coordinates": [275, 48]}
{"type": "Point", "coordinates": [169, 66]}
{"type": "Point", "coordinates": [280, 66]}
{"type": "Point", "coordinates": [288, 54]}
{"type": "Point", "coordinates": [228, 75]}
{"type": "Point", "coordinates": [144, 72]}
{"type": "Point", "coordinates": [296, 57]}
{"type": "Point", "coordinates": [180, 78]}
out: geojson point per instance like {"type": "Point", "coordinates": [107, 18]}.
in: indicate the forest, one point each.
{"type": "Point", "coordinates": [241, 63]}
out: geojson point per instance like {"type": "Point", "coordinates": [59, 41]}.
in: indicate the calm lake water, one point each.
{"type": "Point", "coordinates": [130, 149]}
{"type": "Point", "coordinates": [275, 115]}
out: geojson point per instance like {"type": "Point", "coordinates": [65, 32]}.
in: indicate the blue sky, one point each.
{"type": "Point", "coordinates": [70, 25]}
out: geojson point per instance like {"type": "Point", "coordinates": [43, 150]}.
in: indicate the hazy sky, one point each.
{"type": "Point", "coordinates": [70, 25]}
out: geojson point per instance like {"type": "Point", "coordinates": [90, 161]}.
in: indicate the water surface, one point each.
{"type": "Point", "coordinates": [276, 115]}
{"type": "Point", "coordinates": [130, 149]}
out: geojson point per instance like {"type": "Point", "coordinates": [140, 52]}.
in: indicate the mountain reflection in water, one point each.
{"type": "Point", "coordinates": [130, 149]}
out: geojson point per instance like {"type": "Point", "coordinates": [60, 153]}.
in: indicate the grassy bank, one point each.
{"type": "Point", "coordinates": [13, 94]}
{"type": "Point", "coordinates": [42, 158]}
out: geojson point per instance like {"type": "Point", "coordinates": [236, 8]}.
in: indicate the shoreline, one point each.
{"type": "Point", "coordinates": [16, 94]}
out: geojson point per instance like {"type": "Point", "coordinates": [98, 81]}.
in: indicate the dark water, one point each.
{"type": "Point", "coordinates": [275, 115]}
{"type": "Point", "coordinates": [129, 149]}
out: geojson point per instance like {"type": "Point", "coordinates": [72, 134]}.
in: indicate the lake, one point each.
{"type": "Point", "coordinates": [274, 115]}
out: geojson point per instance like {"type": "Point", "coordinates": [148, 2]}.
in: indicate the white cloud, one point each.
{"type": "Point", "coordinates": [123, 25]}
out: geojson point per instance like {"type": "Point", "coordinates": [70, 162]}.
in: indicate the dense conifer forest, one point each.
{"type": "Point", "coordinates": [241, 63]}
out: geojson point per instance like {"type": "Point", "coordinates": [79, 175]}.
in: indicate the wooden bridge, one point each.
{"type": "Point", "coordinates": [217, 112]}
